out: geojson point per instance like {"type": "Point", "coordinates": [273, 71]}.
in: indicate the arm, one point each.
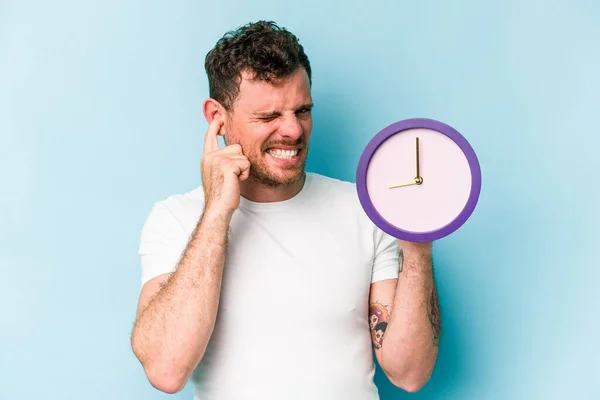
{"type": "Point", "coordinates": [176, 315]}
{"type": "Point", "coordinates": [405, 319]}
{"type": "Point", "coordinates": [177, 312]}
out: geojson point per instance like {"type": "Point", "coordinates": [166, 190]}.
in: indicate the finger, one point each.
{"type": "Point", "coordinates": [238, 157]}
{"type": "Point", "coordinates": [226, 159]}
{"type": "Point", "coordinates": [245, 174]}
{"type": "Point", "coordinates": [245, 165]}
{"type": "Point", "coordinates": [239, 166]}
{"type": "Point", "coordinates": [211, 143]}
{"type": "Point", "coordinates": [232, 149]}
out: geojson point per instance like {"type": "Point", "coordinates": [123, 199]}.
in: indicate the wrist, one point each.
{"type": "Point", "coordinates": [424, 249]}
{"type": "Point", "coordinates": [214, 215]}
{"type": "Point", "coordinates": [416, 255]}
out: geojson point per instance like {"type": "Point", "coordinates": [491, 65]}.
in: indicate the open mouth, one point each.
{"type": "Point", "coordinates": [284, 154]}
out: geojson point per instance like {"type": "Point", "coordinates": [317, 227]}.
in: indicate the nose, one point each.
{"type": "Point", "coordinates": [291, 128]}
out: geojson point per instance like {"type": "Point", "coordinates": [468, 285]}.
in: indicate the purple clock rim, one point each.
{"type": "Point", "coordinates": [418, 123]}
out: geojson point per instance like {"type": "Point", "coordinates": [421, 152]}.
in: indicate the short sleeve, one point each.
{"type": "Point", "coordinates": [386, 260]}
{"type": "Point", "coordinates": [162, 243]}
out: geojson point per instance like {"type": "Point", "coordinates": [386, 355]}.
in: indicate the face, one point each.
{"type": "Point", "coordinates": [272, 123]}
{"type": "Point", "coordinates": [378, 336]}
{"type": "Point", "coordinates": [373, 321]}
{"type": "Point", "coordinates": [377, 314]}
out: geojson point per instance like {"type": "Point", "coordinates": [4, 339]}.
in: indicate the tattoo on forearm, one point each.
{"type": "Point", "coordinates": [434, 316]}
{"type": "Point", "coordinates": [378, 321]}
{"type": "Point", "coordinates": [401, 260]}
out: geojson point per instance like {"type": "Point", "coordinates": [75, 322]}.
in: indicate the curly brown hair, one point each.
{"type": "Point", "coordinates": [265, 50]}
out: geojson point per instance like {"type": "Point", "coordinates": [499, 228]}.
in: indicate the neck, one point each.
{"type": "Point", "coordinates": [261, 193]}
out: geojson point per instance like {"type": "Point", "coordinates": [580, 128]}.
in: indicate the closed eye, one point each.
{"type": "Point", "coordinates": [267, 117]}
{"type": "Point", "coordinates": [304, 111]}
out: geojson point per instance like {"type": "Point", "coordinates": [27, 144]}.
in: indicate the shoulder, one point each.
{"type": "Point", "coordinates": [339, 194]}
{"type": "Point", "coordinates": [178, 211]}
{"type": "Point", "coordinates": [185, 203]}
{"type": "Point", "coordinates": [334, 186]}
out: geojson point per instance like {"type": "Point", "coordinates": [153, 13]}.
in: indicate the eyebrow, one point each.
{"type": "Point", "coordinates": [273, 113]}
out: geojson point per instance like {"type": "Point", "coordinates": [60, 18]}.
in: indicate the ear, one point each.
{"type": "Point", "coordinates": [213, 109]}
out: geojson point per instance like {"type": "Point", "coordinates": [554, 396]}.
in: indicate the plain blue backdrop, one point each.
{"type": "Point", "coordinates": [100, 116]}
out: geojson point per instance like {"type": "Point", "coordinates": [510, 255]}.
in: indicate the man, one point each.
{"type": "Point", "coordinates": [267, 282]}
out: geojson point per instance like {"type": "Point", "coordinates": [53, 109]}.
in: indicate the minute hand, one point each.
{"type": "Point", "coordinates": [418, 172]}
{"type": "Point", "coordinates": [418, 179]}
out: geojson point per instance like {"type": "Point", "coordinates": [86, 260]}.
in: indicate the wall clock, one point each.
{"type": "Point", "coordinates": [418, 180]}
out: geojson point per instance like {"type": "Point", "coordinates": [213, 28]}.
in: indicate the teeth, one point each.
{"type": "Point", "coordinates": [279, 153]}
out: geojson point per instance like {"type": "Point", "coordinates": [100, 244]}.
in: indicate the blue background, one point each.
{"type": "Point", "coordinates": [100, 116]}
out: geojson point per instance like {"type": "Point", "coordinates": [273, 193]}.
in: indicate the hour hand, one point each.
{"type": "Point", "coordinates": [407, 183]}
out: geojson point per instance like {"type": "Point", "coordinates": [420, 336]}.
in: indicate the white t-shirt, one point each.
{"type": "Point", "coordinates": [293, 315]}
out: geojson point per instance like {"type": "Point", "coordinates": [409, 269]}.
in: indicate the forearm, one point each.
{"type": "Point", "coordinates": [410, 346]}
{"type": "Point", "coordinates": [171, 333]}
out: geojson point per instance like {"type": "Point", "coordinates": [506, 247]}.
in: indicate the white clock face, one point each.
{"type": "Point", "coordinates": [441, 196]}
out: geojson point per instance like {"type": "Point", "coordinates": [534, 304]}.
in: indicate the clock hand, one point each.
{"type": "Point", "coordinates": [418, 178]}
{"type": "Point", "coordinates": [413, 182]}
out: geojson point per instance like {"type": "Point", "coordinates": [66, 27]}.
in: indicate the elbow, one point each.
{"type": "Point", "coordinates": [162, 375]}
{"type": "Point", "coordinates": [165, 380]}
{"type": "Point", "coordinates": [410, 385]}
{"type": "Point", "coordinates": [408, 371]}
{"type": "Point", "coordinates": [410, 379]}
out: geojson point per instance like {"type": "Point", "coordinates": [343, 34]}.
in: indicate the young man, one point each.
{"type": "Point", "coordinates": [267, 282]}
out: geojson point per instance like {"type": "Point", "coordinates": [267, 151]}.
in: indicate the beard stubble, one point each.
{"type": "Point", "coordinates": [261, 173]}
